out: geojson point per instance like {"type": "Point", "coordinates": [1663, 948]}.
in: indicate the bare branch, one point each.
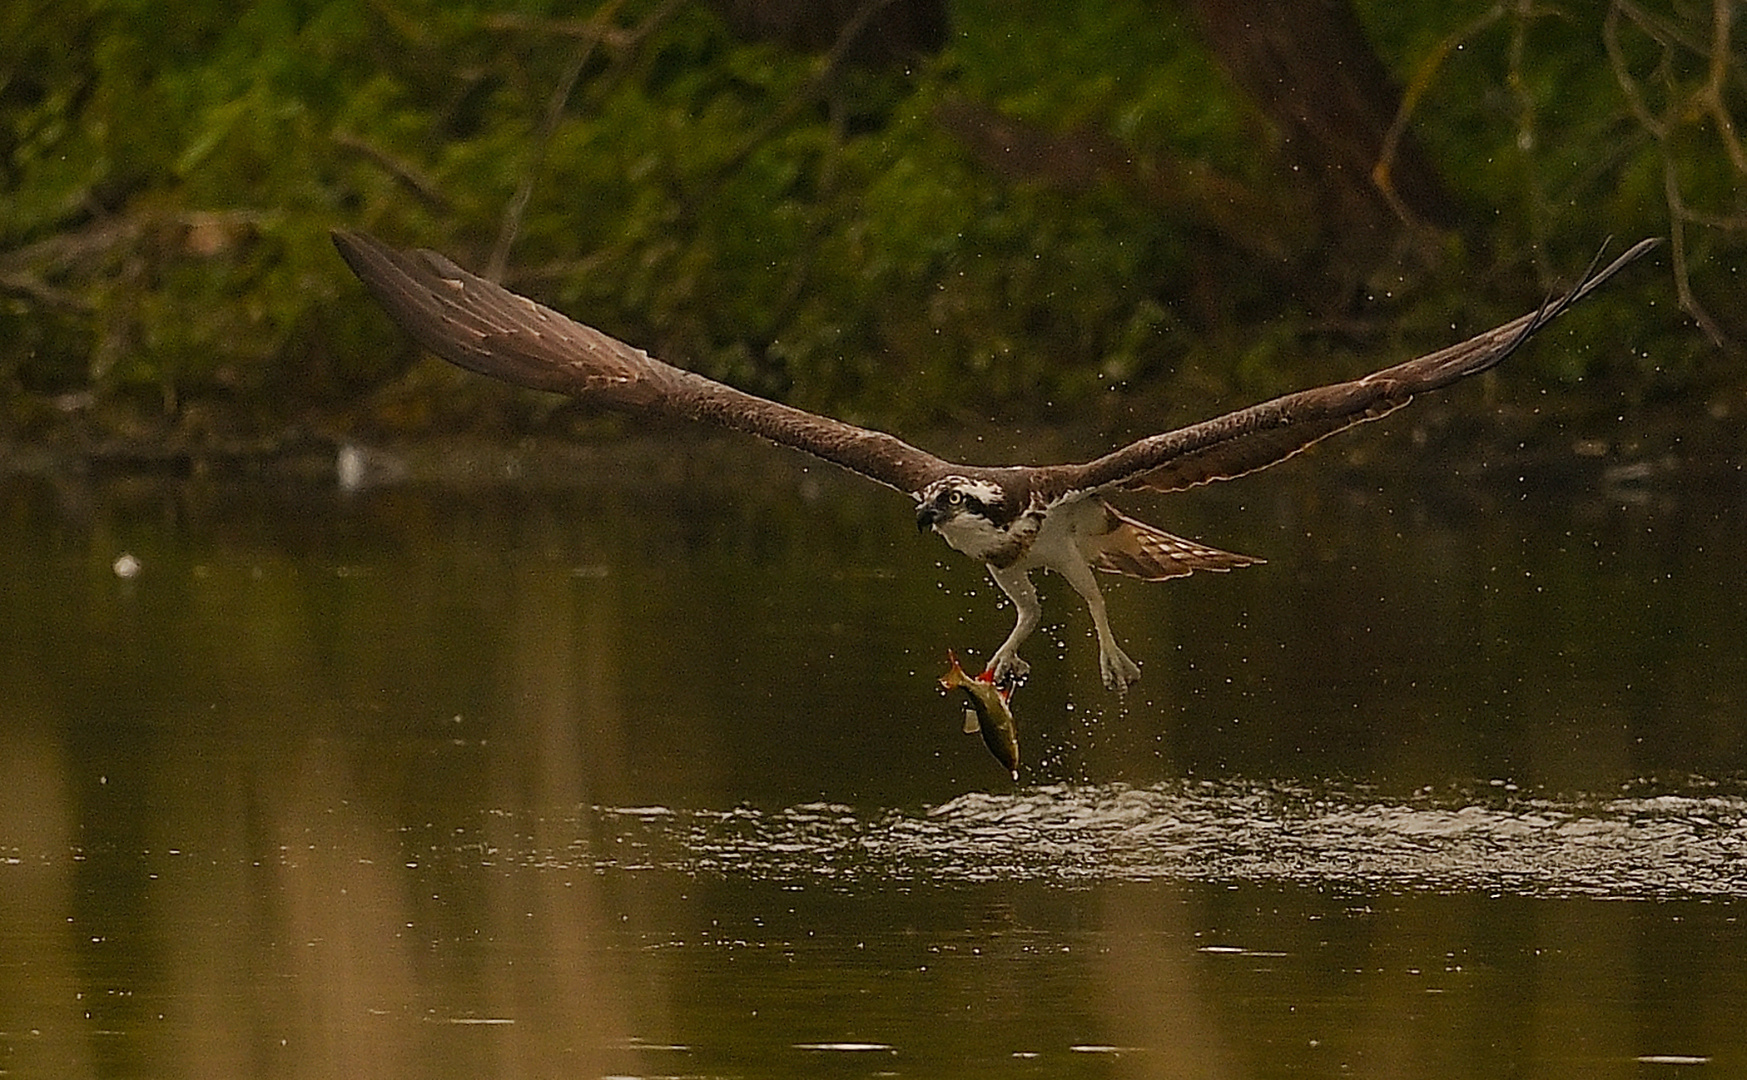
{"type": "Point", "coordinates": [409, 176]}
{"type": "Point", "coordinates": [1682, 280]}
{"type": "Point", "coordinates": [597, 30]}
{"type": "Point", "coordinates": [1382, 173]}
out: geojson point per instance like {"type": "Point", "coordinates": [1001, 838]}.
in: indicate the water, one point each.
{"type": "Point", "coordinates": [1641, 846]}
{"type": "Point", "coordinates": [630, 762]}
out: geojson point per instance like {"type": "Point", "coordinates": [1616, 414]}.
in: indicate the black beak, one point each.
{"type": "Point", "coordinates": [927, 516]}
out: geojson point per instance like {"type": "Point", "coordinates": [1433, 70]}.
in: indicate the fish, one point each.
{"type": "Point", "coordinates": [987, 712]}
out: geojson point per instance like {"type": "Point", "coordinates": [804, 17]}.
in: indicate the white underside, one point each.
{"type": "Point", "coordinates": [1058, 547]}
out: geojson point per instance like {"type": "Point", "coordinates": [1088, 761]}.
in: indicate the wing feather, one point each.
{"type": "Point", "coordinates": [484, 327]}
{"type": "Point", "coordinates": [1261, 435]}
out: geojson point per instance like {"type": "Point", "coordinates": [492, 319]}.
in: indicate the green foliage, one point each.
{"type": "Point", "coordinates": [800, 227]}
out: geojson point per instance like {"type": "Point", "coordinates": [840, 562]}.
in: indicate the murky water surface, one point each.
{"type": "Point", "coordinates": [631, 763]}
{"type": "Point", "coordinates": [1636, 847]}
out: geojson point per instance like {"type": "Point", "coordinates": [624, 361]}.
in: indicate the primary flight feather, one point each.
{"type": "Point", "coordinates": [1014, 519]}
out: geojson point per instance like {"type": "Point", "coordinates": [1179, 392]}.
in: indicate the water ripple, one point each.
{"type": "Point", "coordinates": [1631, 846]}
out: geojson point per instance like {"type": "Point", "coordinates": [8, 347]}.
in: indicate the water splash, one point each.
{"type": "Point", "coordinates": [1637, 845]}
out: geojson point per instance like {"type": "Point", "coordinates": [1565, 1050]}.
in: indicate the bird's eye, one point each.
{"type": "Point", "coordinates": [954, 498]}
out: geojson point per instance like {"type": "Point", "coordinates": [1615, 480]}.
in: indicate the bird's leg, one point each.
{"type": "Point", "coordinates": [1005, 665]}
{"type": "Point", "coordinates": [1118, 670]}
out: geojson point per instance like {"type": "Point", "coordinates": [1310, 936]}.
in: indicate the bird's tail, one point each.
{"type": "Point", "coordinates": [1138, 550]}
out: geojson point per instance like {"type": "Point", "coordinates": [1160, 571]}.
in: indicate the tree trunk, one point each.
{"type": "Point", "coordinates": [1308, 66]}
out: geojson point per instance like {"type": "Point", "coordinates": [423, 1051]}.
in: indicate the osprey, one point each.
{"type": "Point", "coordinates": [1014, 519]}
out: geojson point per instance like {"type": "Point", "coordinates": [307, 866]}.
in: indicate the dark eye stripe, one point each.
{"type": "Point", "coordinates": [963, 500]}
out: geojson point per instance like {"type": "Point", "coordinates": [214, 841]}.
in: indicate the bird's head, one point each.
{"type": "Point", "coordinates": [955, 502]}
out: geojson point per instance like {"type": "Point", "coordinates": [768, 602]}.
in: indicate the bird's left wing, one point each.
{"type": "Point", "coordinates": [484, 327]}
{"type": "Point", "coordinates": [1254, 438]}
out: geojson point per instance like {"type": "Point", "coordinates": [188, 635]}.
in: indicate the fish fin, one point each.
{"type": "Point", "coordinates": [971, 725]}
{"type": "Point", "coordinates": [955, 675]}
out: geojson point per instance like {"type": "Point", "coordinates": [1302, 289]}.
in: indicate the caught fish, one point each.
{"type": "Point", "coordinates": [987, 711]}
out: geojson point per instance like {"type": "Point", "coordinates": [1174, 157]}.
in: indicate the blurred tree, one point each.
{"type": "Point", "coordinates": [1309, 66]}
{"type": "Point", "coordinates": [860, 205]}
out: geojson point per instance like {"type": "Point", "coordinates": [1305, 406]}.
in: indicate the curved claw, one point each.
{"type": "Point", "coordinates": [1007, 671]}
{"type": "Point", "coordinates": [1118, 670]}
{"type": "Point", "coordinates": [1006, 682]}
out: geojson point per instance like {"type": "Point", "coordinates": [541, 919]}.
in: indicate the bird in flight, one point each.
{"type": "Point", "coordinates": [1014, 519]}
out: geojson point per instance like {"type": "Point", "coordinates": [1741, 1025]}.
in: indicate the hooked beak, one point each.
{"type": "Point", "coordinates": [927, 516]}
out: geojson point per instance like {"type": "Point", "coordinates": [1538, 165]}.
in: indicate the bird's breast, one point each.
{"type": "Point", "coordinates": [984, 541]}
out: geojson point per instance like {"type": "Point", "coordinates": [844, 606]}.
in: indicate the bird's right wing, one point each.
{"type": "Point", "coordinates": [484, 327]}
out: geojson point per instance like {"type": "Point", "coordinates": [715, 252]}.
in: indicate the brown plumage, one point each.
{"type": "Point", "coordinates": [1012, 518]}
{"type": "Point", "coordinates": [1140, 551]}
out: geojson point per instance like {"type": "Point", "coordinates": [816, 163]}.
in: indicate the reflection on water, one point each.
{"type": "Point", "coordinates": [645, 774]}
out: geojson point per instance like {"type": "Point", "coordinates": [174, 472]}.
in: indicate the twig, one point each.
{"type": "Point", "coordinates": [599, 28]}
{"type": "Point", "coordinates": [511, 222]}
{"type": "Point", "coordinates": [1677, 249]}
{"type": "Point", "coordinates": [1424, 73]}
{"type": "Point", "coordinates": [411, 178]}
{"type": "Point", "coordinates": [1705, 101]}
{"type": "Point", "coordinates": [846, 38]}
{"type": "Point", "coordinates": [1711, 94]}
{"type": "Point", "coordinates": [34, 288]}
{"type": "Point", "coordinates": [1610, 36]}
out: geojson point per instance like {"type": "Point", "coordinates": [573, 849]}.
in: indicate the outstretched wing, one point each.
{"type": "Point", "coordinates": [1254, 438]}
{"type": "Point", "coordinates": [484, 327]}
